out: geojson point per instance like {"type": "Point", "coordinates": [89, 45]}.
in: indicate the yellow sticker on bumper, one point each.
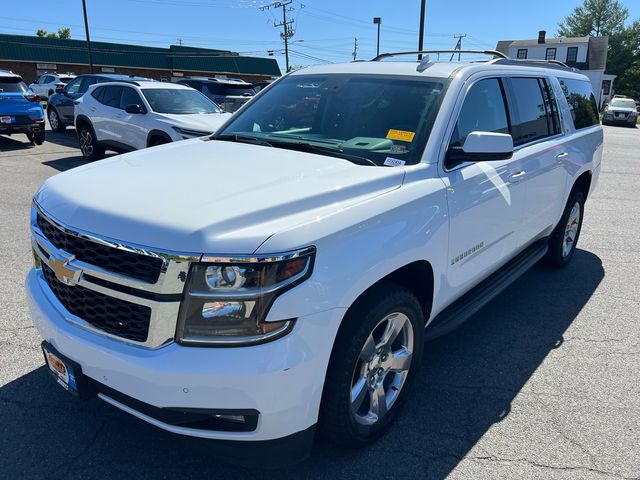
{"type": "Point", "coordinates": [402, 135]}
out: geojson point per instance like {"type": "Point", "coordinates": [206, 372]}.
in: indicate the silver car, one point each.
{"type": "Point", "coordinates": [621, 111]}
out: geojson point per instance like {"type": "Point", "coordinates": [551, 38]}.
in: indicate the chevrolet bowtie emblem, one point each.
{"type": "Point", "coordinates": [65, 273]}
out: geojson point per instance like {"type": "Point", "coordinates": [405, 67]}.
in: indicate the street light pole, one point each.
{"type": "Point", "coordinates": [421, 34]}
{"type": "Point", "coordinates": [86, 29]}
{"type": "Point", "coordinates": [378, 21]}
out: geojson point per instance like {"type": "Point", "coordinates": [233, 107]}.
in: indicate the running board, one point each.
{"type": "Point", "coordinates": [472, 301]}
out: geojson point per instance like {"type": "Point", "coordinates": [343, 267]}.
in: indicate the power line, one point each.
{"type": "Point", "coordinates": [287, 26]}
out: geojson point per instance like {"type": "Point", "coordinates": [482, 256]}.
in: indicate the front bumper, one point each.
{"type": "Point", "coordinates": [281, 380]}
{"type": "Point", "coordinates": [613, 120]}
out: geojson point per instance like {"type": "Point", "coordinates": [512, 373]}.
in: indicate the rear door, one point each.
{"type": "Point", "coordinates": [539, 149]}
{"type": "Point", "coordinates": [485, 199]}
{"type": "Point", "coordinates": [104, 119]}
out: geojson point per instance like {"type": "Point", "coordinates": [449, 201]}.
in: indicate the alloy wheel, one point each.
{"type": "Point", "coordinates": [382, 368]}
{"type": "Point", "coordinates": [53, 120]}
{"type": "Point", "coordinates": [571, 230]}
{"type": "Point", "coordinates": [86, 143]}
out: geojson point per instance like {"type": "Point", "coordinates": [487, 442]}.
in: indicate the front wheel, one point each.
{"type": "Point", "coordinates": [373, 364]}
{"type": "Point", "coordinates": [564, 238]}
{"type": "Point", "coordinates": [89, 147]}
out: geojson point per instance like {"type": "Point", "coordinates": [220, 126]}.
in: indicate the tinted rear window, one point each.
{"type": "Point", "coordinates": [582, 102]}
{"type": "Point", "coordinates": [231, 90]}
{"type": "Point", "coordinates": [12, 84]}
{"type": "Point", "coordinates": [529, 120]}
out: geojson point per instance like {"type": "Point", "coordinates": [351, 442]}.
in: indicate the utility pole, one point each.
{"type": "Point", "coordinates": [180, 41]}
{"type": "Point", "coordinates": [423, 7]}
{"type": "Point", "coordinates": [378, 21]}
{"type": "Point", "coordinates": [355, 49]}
{"type": "Point", "coordinates": [86, 30]}
{"type": "Point", "coordinates": [458, 45]}
{"type": "Point", "coordinates": [287, 26]}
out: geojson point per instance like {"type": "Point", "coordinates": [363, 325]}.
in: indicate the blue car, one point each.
{"type": "Point", "coordinates": [20, 109]}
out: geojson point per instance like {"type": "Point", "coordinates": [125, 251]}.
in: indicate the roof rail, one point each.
{"type": "Point", "coordinates": [493, 53]}
{"type": "Point", "coordinates": [555, 64]}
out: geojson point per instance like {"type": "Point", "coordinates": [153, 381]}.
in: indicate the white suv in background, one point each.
{"type": "Point", "coordinates": [47, 84]}
{"type": "Point", "coordinates": [285, 272]}
{"type": "Point", "coordinates": [130, 115]}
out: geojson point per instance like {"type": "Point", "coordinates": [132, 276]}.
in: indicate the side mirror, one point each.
{"type": "Point", "coordinates": [482, 147]}
{"type": "Point", "coordinates": [135, 109]}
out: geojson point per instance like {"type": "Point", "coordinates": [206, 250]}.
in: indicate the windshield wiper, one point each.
{"type": "Point", "coordinates": [243, 139]}
{"type": "Point", "coordinates": [333, 151]}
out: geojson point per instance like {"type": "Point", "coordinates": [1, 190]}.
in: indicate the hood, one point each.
{"type": "Point", "coordinates": [205, 122]}
{"type": "Point", "coordinates": [200, 196]}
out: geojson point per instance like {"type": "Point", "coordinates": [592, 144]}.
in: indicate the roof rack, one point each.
{"type": "Point", "coordinates": [493, 53]}
{"type": "Point", "coordinates": [555, 64]}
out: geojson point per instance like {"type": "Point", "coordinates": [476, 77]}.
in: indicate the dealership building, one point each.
{"type": "Point", "coordinates": [31, 57]}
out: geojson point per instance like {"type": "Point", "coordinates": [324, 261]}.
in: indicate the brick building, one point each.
{"type": "Point", "coordinates": [30, 57]}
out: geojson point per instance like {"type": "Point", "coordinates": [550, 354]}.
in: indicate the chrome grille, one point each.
{"type": "Point", "coordinates": [112, 315]}
{"type": "Point", "coordinates": [141, 267]}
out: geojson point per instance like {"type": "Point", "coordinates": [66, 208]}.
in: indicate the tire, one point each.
{"type": "Point", "coordinates": [54, 121]}
{"type": "Point", "coordinates": [564, 238]}
{"type": "Point", "coordinates": [91, 150]}
{"type": "Point", "coordinates": [36, 138]}
{"type": "Point", "coordinates": [361, 364]}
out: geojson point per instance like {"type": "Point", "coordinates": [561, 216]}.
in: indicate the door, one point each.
{"type": "Point", "coordinates": [132, 127]}
{"type": "Point", "coordinates": [485, 198]}
{"type": "Point", "coordinates": [539, 147]}
{"type": "Point", "coordinates": [74, 90]}
{"type": "Point", "coordinates": [104, 119]}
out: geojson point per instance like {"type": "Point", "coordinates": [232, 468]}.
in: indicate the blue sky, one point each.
{"type": "Point", "coordinates": [324, 30]}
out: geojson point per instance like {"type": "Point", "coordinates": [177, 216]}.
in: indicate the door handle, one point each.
{"type": "Point", "coordinates": [516, 177]}
{"type": "Point", "coordinates": [562, 156]}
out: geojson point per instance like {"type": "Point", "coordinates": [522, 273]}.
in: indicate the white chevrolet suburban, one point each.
{"type": "Point", "coordinates": [284, 273]}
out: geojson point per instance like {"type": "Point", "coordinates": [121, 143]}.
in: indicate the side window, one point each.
{"type": "Point", "coordinates": [551, 105]}
{"type": "Point", "coordinates": [74, 86]}
{"type": "Point", "coordinates": [98, 93]}
{"type": "Point", "coordinates": [582, 102]}
{"type": "Point", "coordinates": [86, 83]}
{"type": "Point", "coordinates": [41, 79]}
{"type": "Point", "coordinates": [130, 97]}
{"type": "Point", "coordinates": [112, 96]}
{"type": "Point", "coordinates": [483, 110]}
{"type": "Point", "coordinates": [528, 111]}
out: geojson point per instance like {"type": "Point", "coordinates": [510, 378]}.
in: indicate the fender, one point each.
{"type": "Point", "coordinates": [157, 133]}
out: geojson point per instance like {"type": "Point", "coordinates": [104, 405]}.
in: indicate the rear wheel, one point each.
{"type": "Point", "coordinates": [373, 363]}
{"type": "Point", "coordinates": [54, 121]}
{"type": "Point", "coordinates": [36, 138]}
{"type": "Point", "coordinates": [89, 147]}
{"type": "Point", "coordinates": [564, 239]}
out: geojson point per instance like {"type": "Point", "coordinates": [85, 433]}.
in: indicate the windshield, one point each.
{"type": "Point", "coordinates": [623, 103]}
{"type": "Point", "coordinates": [12, 84]}
{"type": "Point", "coordinates": [230, 90]}
{"type": "Point", "coordinates": [385, 119]}
{"type": "Point", "coordinates": [180, 101]}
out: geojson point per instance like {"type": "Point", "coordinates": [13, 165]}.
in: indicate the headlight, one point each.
{"type": "Point", "coordinates": [188, 133]}
{"type": "Point", "coordinates": [227, 299]}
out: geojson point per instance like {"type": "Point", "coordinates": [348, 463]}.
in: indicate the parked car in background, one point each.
{"type": "Point", "coordinates": [60, 105]}
{"type": "Point", "coordinates": [268, 282]}
{"type": "Point", "coordinates": [20, 109]}
{"type": "Point", "coordinates": [229, 93]}
{"type": "Point", "coordinates": [48, 83]}
{"type": "Point", "coordinates": [621, 111]}
{"type": "Point", "coordinates": [130, 115]}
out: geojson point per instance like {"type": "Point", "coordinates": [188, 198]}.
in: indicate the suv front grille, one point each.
{"type": "Point", "coordinates": [141, 267]}
{"type": "Point", "coordinates": [109, 314]}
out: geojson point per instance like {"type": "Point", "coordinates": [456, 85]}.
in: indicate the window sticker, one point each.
{"type": "Point", "coordinates": [402, 135]}
{"type": "Point", "coordinates": [394, 162]}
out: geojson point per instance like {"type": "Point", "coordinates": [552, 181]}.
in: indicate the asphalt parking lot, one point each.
{"type": "Point", "coordinates": [543, 383]}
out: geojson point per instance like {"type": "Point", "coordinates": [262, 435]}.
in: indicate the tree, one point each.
{"type": "Point", "coordinates": [62, 33]}
{"type": "Point", "coordinates": [594, 18]}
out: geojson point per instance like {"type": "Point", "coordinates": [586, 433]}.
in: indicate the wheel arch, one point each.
{"type": "Point", "coordinates": [153, 134]}
{"type": "Point", "coordinates": [83, 120]}
{"type": "Point", "coordinates": [417, 277]}
{"type": "Point", "coordinates": [583, 183]}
